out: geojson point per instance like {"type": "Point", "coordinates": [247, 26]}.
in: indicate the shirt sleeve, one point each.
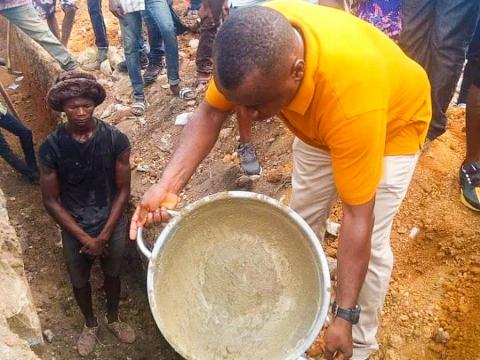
{"type": "Point", "coordinates": [357, 147]}
{"type": "Point", "coordinates": [121, 143]}
{"type": "Point", "coordinates": [47, 155]}
{"type": "Point", "coordinates": [216, 99]}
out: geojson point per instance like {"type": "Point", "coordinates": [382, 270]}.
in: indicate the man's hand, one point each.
{"type": "Point", "coordinates": [115, 8]}
{"type": "Point", "coordinates": [93, 247]}
{"type": "Point", "coordinates": [152, 208]}
{"type": "Point", "coordinates": [338, 340]}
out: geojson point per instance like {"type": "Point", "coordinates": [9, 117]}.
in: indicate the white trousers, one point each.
{"type": "Point", "coordinates": [313, 196]}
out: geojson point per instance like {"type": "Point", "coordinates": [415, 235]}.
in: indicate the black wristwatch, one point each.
{"type": "Point", "coordinates": [351, 315]}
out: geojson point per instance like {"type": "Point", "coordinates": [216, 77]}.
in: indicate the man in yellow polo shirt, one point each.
{"type": "Point", "coordinates": [359, 108]}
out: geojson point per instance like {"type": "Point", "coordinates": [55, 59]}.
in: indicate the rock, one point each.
{"type": "Point", "coordinates": [274, 176]}
{"type": "Point", "coordinates": [414, 232]}
{"type": "Point", "coordinates": [244, 182]}
{"type": "Point", "coordinates": [105, 68]}
{"type": "Point", "coordinates": [48, 335]}
{"type": "Point", "coordinates": [89, 55]}
{"type": "Point", "coordinates": [193, 44]}
{"type": "Point", "coordinates": [440, 336]}
{"type": "Point", "coordinates": [332, 267]}
{"type": "Point", "coordinates": [166, 143]}
{"type": "Point", "coordinates": [391, 355]}
{"type": "Point", "coordinates": [395, 341]}
{"type": "Point", "coordinates": [122, 89]}
{"type": "Point", "coordinates": [143, 168]}
{"type": "Point", "coordinates": [333, 228]}
{"type": "Point", "coordinates": [225, 133]}
{"type": "Point", "coordinates": [115, 56]}
{"type": "Point", "coordinates": [271, 140]}
{"type": "Point", "coordinates": [19, 322]}
{"type": "Point", "coordinates": [183, 118]}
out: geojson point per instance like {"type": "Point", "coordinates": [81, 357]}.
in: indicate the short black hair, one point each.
{"type": "Point", "coordinates": [256, 37]}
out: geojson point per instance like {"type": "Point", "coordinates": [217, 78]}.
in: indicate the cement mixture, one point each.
{"type": "Point", "coordinates": [237, 280]}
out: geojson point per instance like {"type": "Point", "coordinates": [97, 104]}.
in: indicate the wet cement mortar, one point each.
{"type": "Point", "coordinates": [431, 310]}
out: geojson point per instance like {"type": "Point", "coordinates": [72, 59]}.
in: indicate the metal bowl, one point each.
{"type": "Point", "coordinates": [237, 275]}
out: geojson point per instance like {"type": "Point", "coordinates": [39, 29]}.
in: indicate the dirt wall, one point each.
{"type": "Point", "coordinates": [19, 322]}
{"type": "Point", "coordinates": [38, 68]}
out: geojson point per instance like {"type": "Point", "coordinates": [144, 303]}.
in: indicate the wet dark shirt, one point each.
{"type": "Point", "coordinates": [86, 172]}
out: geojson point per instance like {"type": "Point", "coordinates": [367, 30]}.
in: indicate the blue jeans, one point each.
{"type": "Point", "coordinates": [157, 50]}
{"type": "Point", "coordinates": [131, 27]}
{"type": "Point", "coordinates": [159, 12]}
{"type": "Point", "coordinates": [98, 23]}
{"type": "Point", "coordinates": [26, 18]}
{"type": "Point", "coordinates": [436, 34]}
{"type": "Point", "coordinates": [16, 127]}
{"type": "Point", "coordinates": [472, 67]}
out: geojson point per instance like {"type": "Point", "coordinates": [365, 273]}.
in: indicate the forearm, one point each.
{"type": "Point", "coordinates": [196, 142]}
{"type": "Point", "coordinates": [330, 3]}
{"type": "Point", "coordinates": [118, 207]}
{"type": "Point", "coordinates": [353, 255]}
{"type": "Point", "coordinates": [65, 220]}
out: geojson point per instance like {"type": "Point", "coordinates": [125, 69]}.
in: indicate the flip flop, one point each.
{"type": "Point", "coordinates": [187, 94]}
{"type": "Point", "coordinates": [138, 108]}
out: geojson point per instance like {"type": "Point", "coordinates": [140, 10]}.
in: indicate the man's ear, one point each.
{"type": "Point", "coordinates": [298, 69]}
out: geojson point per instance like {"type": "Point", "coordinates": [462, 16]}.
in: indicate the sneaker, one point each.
{"type": "Point", "coordinates": [470, 185]}
{"type": "Point", "coordinates": [121, 330]}
{"type": "Point", "coordinates": [87, 340]}
{"type": "Point", "coordinates": [248, 159]}
{"type": "Point", "coordinates": [152, 72]}
{"type": "Point", "coordinates": [122, 65]}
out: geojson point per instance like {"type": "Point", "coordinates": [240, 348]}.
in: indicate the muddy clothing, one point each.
{"type": "Point", "coordinates": [79, 264]}
{"type": "Point", "coordinates": [86, 172]}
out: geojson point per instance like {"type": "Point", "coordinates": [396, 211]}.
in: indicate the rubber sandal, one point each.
{"type": "Point", "coordinates": [138, 108]}
{"type": "Point", "coordinates": [187, 94]}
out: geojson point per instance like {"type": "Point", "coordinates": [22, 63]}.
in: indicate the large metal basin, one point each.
{"type": "Point", "coordinates": [237, 275]}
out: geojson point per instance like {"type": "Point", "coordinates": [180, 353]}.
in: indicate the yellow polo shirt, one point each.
{"type": "Point", "coordinates": [361, 97]}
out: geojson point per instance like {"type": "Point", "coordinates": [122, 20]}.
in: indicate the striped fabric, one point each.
{"type": "Point", "coordinates": [130, 6]}
{"type": "Point", "coordinates": [8, 4]}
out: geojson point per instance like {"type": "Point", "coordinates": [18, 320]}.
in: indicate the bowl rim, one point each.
{"type": "Point", "coordinates": [319, 256]}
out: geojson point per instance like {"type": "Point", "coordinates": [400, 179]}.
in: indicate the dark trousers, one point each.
{"type": "Point", "coordinates": [472, 67]}
{"type": "Point", "coordinates": [208, 30]}
{"type": "Point", "coordinates": [98, 23]}
{"type": "Point", "coordinates": [436, 34]}
{"type": "Point", "coordinates": [16, 127]}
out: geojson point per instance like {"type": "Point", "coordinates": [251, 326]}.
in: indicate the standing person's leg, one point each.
{"type": "Point", "coordinates": [156, 56]}
{"type": "Point", "coordinates": [131, 27]}
{"type": "Point", "coordinates": [313, 187]}
{"type": "Point", "coordinates": [246, 150]}
{"type": "Point", "coordinates": [471, 69]}
{"type": "Point", "coordinates": [418, 19]}
{"type": "Point", "coordinates": [159, 11]}
{"type": "Point", "coordinates": [69, 8]}
{"type": "Point", "coordinates": [397, 174]}
{"type": "Point", "coordinates": [204, 62]}
{"type": "Point", "coordinates": [99, 29]}
{"type": "Point", "coordinates": [79, 266]}
{"type": "Point", "coordinates": [13, 160]}
{"type": "Point", "coordinates": [16, 127]}
{"type": "Point", "coordinates": [111, 265]}
{"type": "Point", "coordinates": [470, 169]}
{"type": "Point", "coordinates": [455, 22]}
{"type": "Point", "coordinates": [27, 19]}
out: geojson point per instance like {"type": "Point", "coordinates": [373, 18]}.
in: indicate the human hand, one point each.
{"type": "Point", "coordinates": [116, 8]}
{"type": "Point", "coordinates": [93, 247]}
{"type": "Point", "coordinates": [338, 340]}
{"type": "Point", "coordinates": [152, 208]}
